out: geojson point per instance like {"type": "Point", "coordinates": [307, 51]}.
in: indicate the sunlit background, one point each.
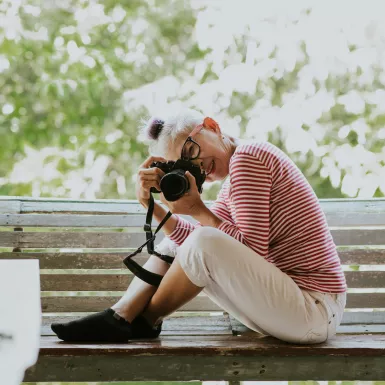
{"type": "Point", "coordinates": [77, 77]}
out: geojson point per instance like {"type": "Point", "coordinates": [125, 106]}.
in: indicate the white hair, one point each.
{"type": "Point", "coordinates": [160, 137]}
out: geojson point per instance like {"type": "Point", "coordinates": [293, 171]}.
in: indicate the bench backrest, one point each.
{"type": "Point", "coordinates": [81, 245]}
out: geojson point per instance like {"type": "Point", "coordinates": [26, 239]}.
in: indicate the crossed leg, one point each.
{"type": "Point", "coordinates": [154, 303]}
{"type": "Point", "coordinates": [243, 283]}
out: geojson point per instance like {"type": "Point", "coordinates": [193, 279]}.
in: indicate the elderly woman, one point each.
{"type": "Point", "coordinates": [263, 251]}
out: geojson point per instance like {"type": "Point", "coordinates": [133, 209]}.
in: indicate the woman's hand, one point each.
{"type": "Point", "coordinates": [190, 203]}
{"type": "Point", "coordinates": [147, 178]}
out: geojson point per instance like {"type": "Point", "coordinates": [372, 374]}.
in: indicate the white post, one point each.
{"type": "Point", "coordinates": [20, 318]}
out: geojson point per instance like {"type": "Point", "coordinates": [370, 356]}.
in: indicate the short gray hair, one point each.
{"type": "Point", "coordinates": [160, 137]}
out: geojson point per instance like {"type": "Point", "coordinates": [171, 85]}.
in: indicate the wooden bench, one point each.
{"type": "Point", "coordinates": [199, 342]}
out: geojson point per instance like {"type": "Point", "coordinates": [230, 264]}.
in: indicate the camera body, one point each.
{"type": "Point", "coordinates": [174, 184]}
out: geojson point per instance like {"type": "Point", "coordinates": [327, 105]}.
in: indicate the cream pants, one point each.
{"type": "Point", "coordinates": [255, 291]}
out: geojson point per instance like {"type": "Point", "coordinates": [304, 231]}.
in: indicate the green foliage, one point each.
{"type": "Point", "coordinates": [71, 74]}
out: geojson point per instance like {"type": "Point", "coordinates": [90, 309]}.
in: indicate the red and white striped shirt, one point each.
{"type": "Point", "coordinates": [268, 205]}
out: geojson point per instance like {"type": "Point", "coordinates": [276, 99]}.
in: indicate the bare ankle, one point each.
{"type": "Point", "coordinates": [123, 313]}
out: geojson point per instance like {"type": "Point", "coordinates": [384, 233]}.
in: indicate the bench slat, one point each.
{"type": "Point", "coordinates": [125, 240]}
{"type": "Point", "coordinates": [365, 279]}
{"type": "Point", "coordinates": [73, 239]}
{"type": "Point", "coordinates": [182, 321]}
{"type": "Point", "coordinates": [10, 206]}
{"type": "Point", "coordinates": [367, 256]}
{"type": "Point", "coordinates": [229, 358]}
{"type": "Point", "coordinates": [363, 317]}
{"type": "Point", "coordinates": [98, 303]}
{"type": "Point", "coordinates": [198, 327]}
{"type": "Point", "coordinates": [339, 212]}
{"type": "Point", "coordinates": [358, 237]}
{"type": "Point", "coordinates": [120, 282]}
{"type": "Point", "coordinates": [12, 218]}
{"type": "Point", "coordinates": [200, 303]}
{"type": "Point", "coordinates": [73, 220]}
{"type": "Point", "coordinates": [69, 206]}
{"type": "Point", "coordinates": [114, 260]}
{"type": "Point", "coordinates": [185, 325]}
{"type": "Point", "coordinates": [342, 329]}
{"type": "Point", "coordinates": [348, 345]}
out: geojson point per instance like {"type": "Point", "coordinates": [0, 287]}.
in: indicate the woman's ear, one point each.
{"type": "Point", "coordinates": [211, 124]}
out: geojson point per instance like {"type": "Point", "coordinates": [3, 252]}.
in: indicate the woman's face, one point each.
{"type": "Point", "coordinates": [215, 153]}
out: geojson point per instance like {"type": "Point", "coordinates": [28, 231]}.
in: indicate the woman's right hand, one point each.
{"type": "Point", "coordinates": [148, 177]}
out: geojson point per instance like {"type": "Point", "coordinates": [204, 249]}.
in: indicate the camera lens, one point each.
{"type": "Point", "coordinates": [174, 185]}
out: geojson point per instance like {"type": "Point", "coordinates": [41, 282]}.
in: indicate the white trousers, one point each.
{"type": "Point", "coordinates": [255, 291]}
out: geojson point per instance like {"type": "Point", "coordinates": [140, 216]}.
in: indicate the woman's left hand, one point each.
{"type": "Point", "coordinates": [190, 203]}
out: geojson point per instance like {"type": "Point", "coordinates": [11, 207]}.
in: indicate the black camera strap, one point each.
{"type": "Point", "coordinates": [145, 275]}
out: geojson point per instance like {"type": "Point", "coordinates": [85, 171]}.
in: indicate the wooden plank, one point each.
{"type": "Point", "coordinates": [68, 206]}
{"type": "Point", "coordinates": [182, 325]}
{"type": "Point", "coordinates": [339, 212]}
{"type": "Point", "coordinates": [354, 212]}
{"type": "Point", "coordinates": [243, 330]}
{"type": "Point", "coordinates": [114, 260]}
{"type": "Point", "coordinates": [367, 318]}
{"type": "Point", "coordinates": [10, 206]}
{"type": "Point", "coordinates": [98, 303]}
{"type": "Point", "coordinates": [213, 367]}
{"type": "Point", "coordinates": [365, 279]}
{"type": "Point", "coordinates": [172, 358]}
{"type": "Point", "coordinates": [200, 303]}
{"type": "Point", "coordinates": [78, 220]}
{"type": "Point", "coordinates": [367, 256]}
{"type": "Point", "coordinates": [124, 240]}
{"type": "Point", "coordinates": [179, 320]}
{"type": "Point", "coordinates": [116, 220]}
{"type": "Point", "coordinates": [74, 239]}
{"type": "Point", "coordinates": [358, 237]}
{"type": "Point", "coordinates": [361, 329]}
{"type": "Point", "coordinates": [372, 328]}
{"type": "Point", "coordinates": [69, 260]}
{"type": "Point", "coordinates": [120, 281]}
{"type": "Point", "coordinates": [365, 300]}
{"type": "Point", "coordinates": [350, 345]}
{"type": "Point", "coordinates": [71, 220]}
{"type": "Point", "coordinates": [211, 325]}
{"type": "Point", "coordinates": [85, 282]}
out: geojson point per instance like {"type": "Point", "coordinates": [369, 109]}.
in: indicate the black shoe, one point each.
{"type": "Point", "coordinates": [103, 326]}
{"type": "Point", "coordinates": [142, 329]}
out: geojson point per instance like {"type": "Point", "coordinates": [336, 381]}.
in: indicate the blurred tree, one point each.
{"type": "Point", "coordinates": [66, 66]}
{"type": "Point", "coordinates": [76, 76]}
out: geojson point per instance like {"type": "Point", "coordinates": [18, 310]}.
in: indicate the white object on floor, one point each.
{"type": "Point", "coordinates": [20, 318]}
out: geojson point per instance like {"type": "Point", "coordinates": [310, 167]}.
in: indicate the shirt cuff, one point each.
{"type": "Point", "coordinates": [182, 229]}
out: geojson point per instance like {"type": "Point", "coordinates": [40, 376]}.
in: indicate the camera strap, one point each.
{"type": "Point", "coordinates": [145, 275]}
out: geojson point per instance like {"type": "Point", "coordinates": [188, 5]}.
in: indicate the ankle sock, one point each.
{"type": "Point", "coordinates": [99, 327]}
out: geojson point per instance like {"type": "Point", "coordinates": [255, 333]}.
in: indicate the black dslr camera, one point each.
{"type": "Point", "coordinates": [174, 184]}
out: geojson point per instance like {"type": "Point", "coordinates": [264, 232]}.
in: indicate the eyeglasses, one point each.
{"type": "Point", "coordinates": [191, 148]}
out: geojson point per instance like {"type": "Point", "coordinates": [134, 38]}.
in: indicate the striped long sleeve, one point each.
{"type": "Point", "coordinates": [219, 207]}
{"type": "Point", "coordinates": [249, 197]}
{"type": "Point", "coordinates": [269, 206]}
